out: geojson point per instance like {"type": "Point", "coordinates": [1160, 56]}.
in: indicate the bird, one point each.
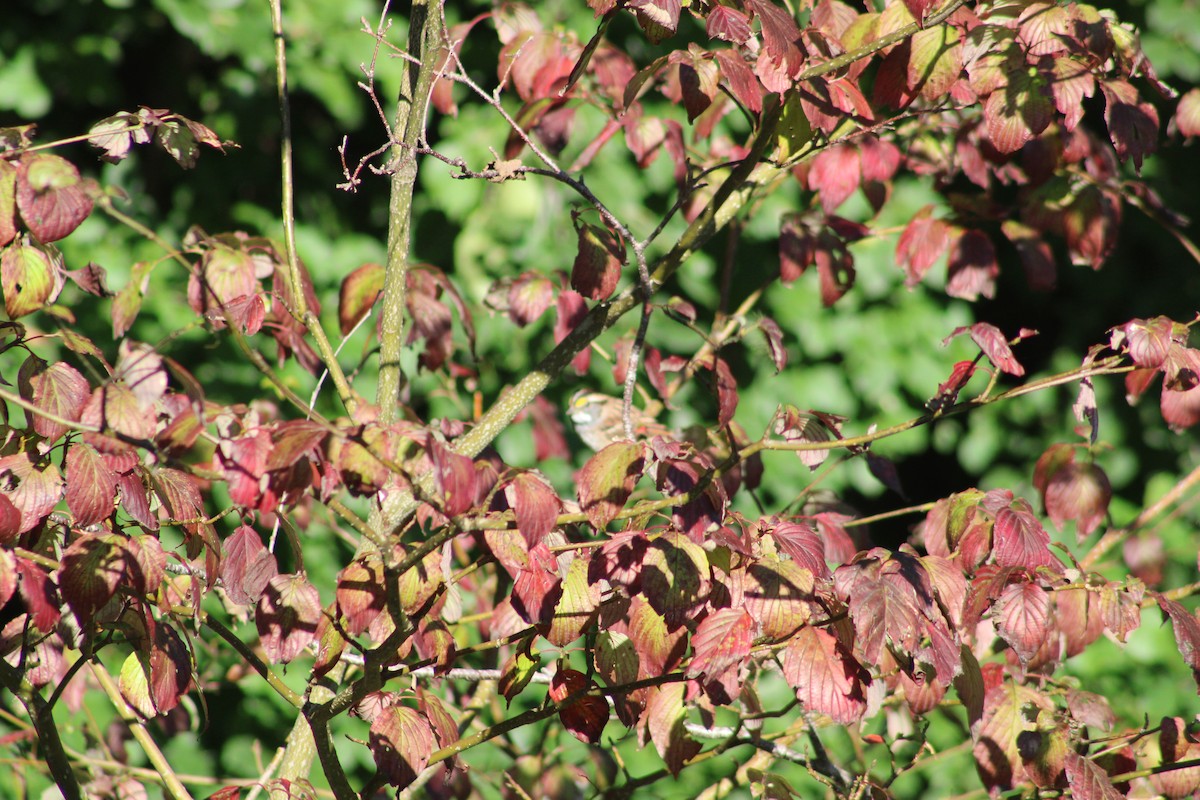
{"type": "Point", "coordinates": [599, 420]}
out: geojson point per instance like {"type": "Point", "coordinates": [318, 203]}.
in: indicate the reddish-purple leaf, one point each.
{"type": "Point", "coordinates": [994, 345]}
{"type": "Point", "coordinates": [51, 196]}
{"type": "Point", "coordinates": [729, 24]}
{"type": "Point", "coordinates": [740, 79]}
{"type": "Point", "coordinates": [287, 616]}
{"type": "Point", "coordinates": [361, 595]}
{"type": "Point", "coordinates": [454, 475]}
{"type": "Point", "coordinates": [1080, 492]}
{"type": "Point", "coordinates": [57, 389]}
{"type": "Point", "coordinates": [401, 743]}
{"type": "Point", "coordinates": [885, 599]}
{"type": "Point", "coordinates": [40, 595]}
{"type": "Point", "coordinates": [972, 266]}
{"type": "Point", "coordinates": [1021, 541]}
{"type": "Point", "coordinates": [1088, 781]}
{"type": "Point", "coordinates": [659, 19]}
{"type": "Point", "coordinates": [1132, 123]}
{"type": "Point", "coordinates": [8, 576]}
{"type": "Point", "coordinates": [571, 311]}
{"type": "Point", "coordinates": [827, 679]}
{"type": "Point", "coordinates": [808, 427]}
{"type": "Point", "coordinates": [1187, 632]}
{"type": "Point", "coordinates": [34, 490]}
{"type": "Point", "coordinates": [774, 337]}
{"type": "Point", "coordinates": [586, 716]}
{"type": "Point", "coordinates": [802, 543]}
{"type": "Point", "coordinates": [721, 643]}
{"type": "Point", "coordinates": [607, 480]}
{"type": "Point", "coordinates": [170, 668]}
{"type": "Point", "coordinates": [92, 569]}
{"type": "Point", "coordinates": [835, 174]}
{"type": "Point", "coordinates": [1180, 399]}
{"type": "Point", "coordinates": [598, 262]}
{"type": "Point", "coordinates": [357, 296]}
{"type": "Point", "coordinates": [91, 486]}
{"type": "Point", "coordinates": [535, 504]}
{"type": "Point", "coordinates": [1022, 618]}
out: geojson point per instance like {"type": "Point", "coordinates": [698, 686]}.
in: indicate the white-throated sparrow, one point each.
{"type": "Point", "coordinates": [598, 420]}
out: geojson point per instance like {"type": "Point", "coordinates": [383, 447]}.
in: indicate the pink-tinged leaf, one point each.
{"type": "Point", "coordinates": [361, 595]}
{"type": "Point", "coordinates": [884, 470]}
{"type": "Point", "coordinates": [1087, 780]}
{"type": "Point", "coordinates": [920, 246]}
{"type": "Point", "coordinates": [607, 480]}
{"type": "Point", "coordinates": [571, 311]}
{"type": "Point", "coordinates": [1022, 618]}
{"type": "Point", "coordinates": [360, 289]}
{"type": "Point", "coordinates": [1080, 492]}
{"type": "Point", "coordinates": [225, 274]}
{"type": "Point", "coordinates": [835, 174]}
{"type": "Point", "coordinates": [91, 486]}
{"type": "Point", "coordinates": [880, 159]}
{"type": "Point", "coordinates": [808, 427]}
{"type": "Point", "coordinates": [145, 563]}
{"type": "Point", "coordinates": [51, 196]}
{"type": "Point", "coordinates": [287, 617]}
{"type": "Point", "coordinates": [675, 577]}
{"type": "Point", "coordinates": [774, 337]}
{"type": "Point", "coordinates": [994, 345]}
{"type": "Point", "coordinates": [1132, 123]}
{"type": "Point", "coordinates": [57, 389]}
{"type": "Point", "coordinates": [1148, 340]}
{"type": "Point", "coordinates": [972, 267]}
{"type": "Point", "coordinates": [1090, 225]}
{"type": "Point", "coordinates": [919, 8]}
{"type": "Point", "coordinates": [827, 679]}
{"type": "Point", "coordinates": [801, 542]}
{"type": "Point", "coordinates": [1021, 541]}
{"type": "Point", "coordinates": [34, 490]}
{"type": "Point", "coordinates": [113, 136]}
{"type": "Point", "coordinates": [698, 79]}
{"type": "Point", "coordinates": [666, 717]}
{"type": "Point", "coordinates": [1175, 744]}
{"type": "Point", "coordinates": [659, 19]}
{"type": "Point", "coordinates": [31, 277]}
{"type": "Point", "coordinates": [997, 756]}
{"type": "Point", "coordinates": [721, 643]}
{"type": "Point", "coordinates": [535, 504]}
{"type": "Point", "coordinates": [40, 594]}
{"type": "Point", "coordinates": [1180, 399]}
{"type": "Point", "coordinates": [8, 576]}
{"type": "Point", "coordinates": [779, 31]}
{"type": "Point", "coordinates": [529, 295]}
{"type": "Point", "coordinates": [1072, 84]}
{"type": "Point", "coordinates": [598, 262]}
{"type": "Point", "coordinates": [729, 24]}
{"type": "Point", "coordinates": [1187, 115]}
{"type": "Point", "coordinates": [586, 716]}
{"type": "Point", "coordinates": [92, 569]}
{"type": "Point", "coordinates": [401, 743]}
{"type": "Point", "coordinates": [726, 390]}
{"type": "Point", "coordinates": [1187, 632]}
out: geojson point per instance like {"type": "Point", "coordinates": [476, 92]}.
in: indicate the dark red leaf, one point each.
{"type": "Point", "coordinates": [571, 311]}
{"type": "Point", "coordinates": [91, 486]}
{"type": "Point", "coordinates": [1187, 632]}
{"type": "Point", "coordinates": [729, 24]}
{"type": "Point", "coordinates": [535, 504]}
{"type": "Point", "coordinates": [1132, 123]}
{"type": "Point", "coordinates": [40, 594]}
{"type": "Point", "coordinates": [1022, 618]}
{"type": "Point", "coordinates": [455, 478]}
{"type": "Point", "coordinates": [972, 266]}
{"type": "Point", "coordinates": [1021, 541]}
{"type": "Point", "coordinates": [802, 543]}
{"type": "Point", "coordinates": [598, 262]}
